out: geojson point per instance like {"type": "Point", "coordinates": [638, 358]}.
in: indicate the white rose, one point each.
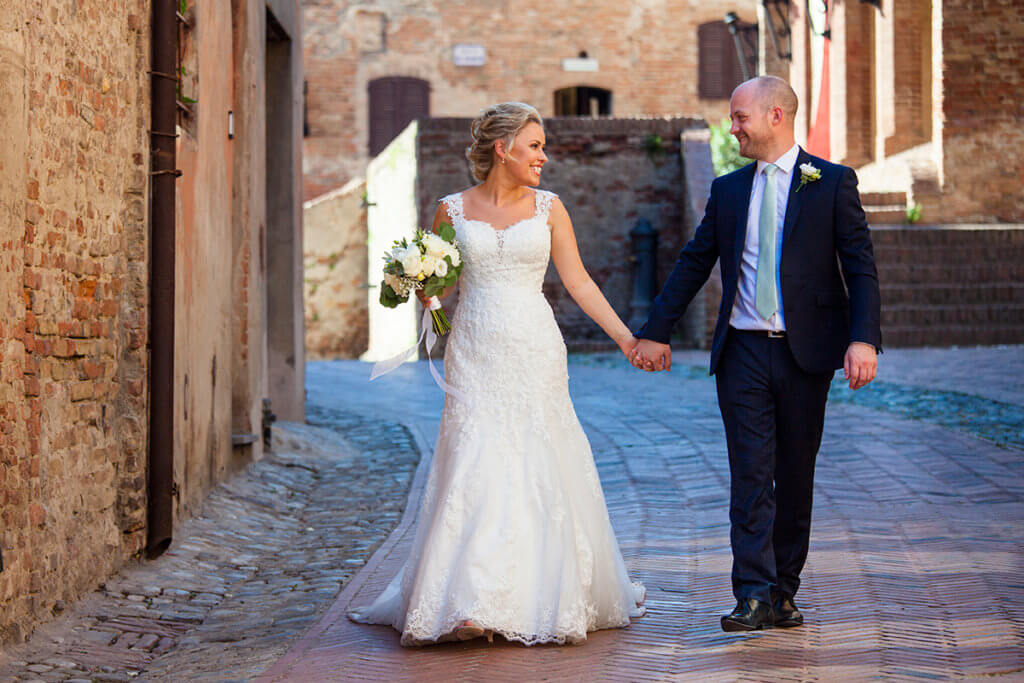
{"type": "Point", "coordinates": [434, 245]}
{"type": "Point", "coordinates": [453, 254]}
{"type": "Point", "coordinates": [411, 263]}
{"type": "Point", "coordinates": [428, 265]}
{"type": "Point", "coordinates": [440, 267]}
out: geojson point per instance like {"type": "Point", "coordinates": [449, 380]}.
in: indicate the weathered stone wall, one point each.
{"type": "Point", "coordinates": [609, 173]}
{"type": "Point", "coordinates": [646, 51]}
{"type": "Point", "coordinates": [337, 324]}
{"type": "Point", "coordinates": [73, 291]}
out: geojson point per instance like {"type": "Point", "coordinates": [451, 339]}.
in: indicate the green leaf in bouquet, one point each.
{"type": "Point", "coordinates": [389, 298]}
{"type": "Point", "coordinates": [447, 232]}
{"type": "Point", "coordinates": [434, 287]}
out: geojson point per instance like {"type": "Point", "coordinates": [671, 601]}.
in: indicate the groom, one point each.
{"type": "Point", "coordinates": [785, 324]}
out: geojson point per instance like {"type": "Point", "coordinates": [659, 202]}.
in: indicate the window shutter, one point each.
{"type": "Point", "coordinates": [395, 101]}
{"type": "Point", "coordinates": [718, 67]}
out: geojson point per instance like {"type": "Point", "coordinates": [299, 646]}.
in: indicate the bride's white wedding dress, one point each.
{"type": "Point", "coordinates": [513, 532]}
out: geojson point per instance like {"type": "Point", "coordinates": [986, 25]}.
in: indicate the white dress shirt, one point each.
{"type": "Point", "coordinates": [744, 309]}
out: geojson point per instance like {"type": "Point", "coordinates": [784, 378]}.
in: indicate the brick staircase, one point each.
{"type": "Point", "coordinates": [950, 285]}
{"type": "Point", "coordinates": [884, 207]}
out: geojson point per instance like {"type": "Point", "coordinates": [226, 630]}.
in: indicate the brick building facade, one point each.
{"type": "Point", "coordinates": [623, 59]}
{"type": "Point", "coordinates": [77, 348]}
{"type": "Point", "coordinates": [924, 100]}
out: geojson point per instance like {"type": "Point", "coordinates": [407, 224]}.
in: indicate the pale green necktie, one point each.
{"type": "Point", "coordinates": [767, 297]}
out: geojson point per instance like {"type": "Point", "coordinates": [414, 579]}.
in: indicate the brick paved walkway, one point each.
{"type": "Point", "coordinates": [915, 566]}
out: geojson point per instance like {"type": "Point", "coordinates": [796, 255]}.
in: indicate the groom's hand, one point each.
{"type": "Point", "coordinates": [860, 365]}
{"type": "Point", "coordinates": [651, 356]}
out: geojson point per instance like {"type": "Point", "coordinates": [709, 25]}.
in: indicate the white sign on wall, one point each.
{"type": "Point", "coordinates": [469, 54]}
{"type": "Point", "coordinates": [579, 64]}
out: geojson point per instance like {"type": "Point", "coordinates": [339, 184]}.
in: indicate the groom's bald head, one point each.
{"type": "Point", "coordinates": [770, 92]}
{"type": "Point", "coordinates": [763, 113]}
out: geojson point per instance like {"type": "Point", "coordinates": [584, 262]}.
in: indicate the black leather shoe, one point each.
{"type": "Point", "coordinates": [787, 615]}
{"type": "Point", "coordinates": [750, 614]}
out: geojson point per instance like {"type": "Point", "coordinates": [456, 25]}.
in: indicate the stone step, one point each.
{"type": "Point", "coordinates": [951, 335]}
{"type": "Point", "coordinates": [885, 216]}
{"type": "Point", "coordinates": [883, 199]}
{"type": "Point", "coordinates": [991, 293]}
{"type": "Point", "coordinates": [954, 314]}
{"type": "Point", "coordinates": [890, 255]}
{"type": "Point", "coordinates": [944, 274]}
{"type": "Point", "coordinates": [948, 235]}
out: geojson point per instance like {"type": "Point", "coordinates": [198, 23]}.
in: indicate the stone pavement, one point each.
{"type": "Point", "coordinates": [914, 571]}
{"type": "Point", "coordinates": [241, 582]}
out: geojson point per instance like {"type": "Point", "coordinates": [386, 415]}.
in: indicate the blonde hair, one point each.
{"type": "Point", "coordinates": [497, 122]}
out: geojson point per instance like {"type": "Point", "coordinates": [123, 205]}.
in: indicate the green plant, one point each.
{"type": "Point", "coordinates": [725, 150]}
{"type": "Point", "coordinates": [913, 213]}
{"type": "Point", "coordinates": [655, 145]}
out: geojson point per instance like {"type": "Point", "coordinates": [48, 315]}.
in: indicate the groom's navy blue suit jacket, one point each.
{"type": "Point", "coordinates": [824, 220]}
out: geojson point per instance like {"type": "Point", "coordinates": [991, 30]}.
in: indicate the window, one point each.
{"type": "Point", "coordinates": [395, 101]}
{"type": "Point", "coordinates": [583, 101]}
{"type": "Point", "coordinates": [718, 67]}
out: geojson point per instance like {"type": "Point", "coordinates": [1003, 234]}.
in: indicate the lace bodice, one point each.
{"type": "Point", "coordinates": [516, 256]}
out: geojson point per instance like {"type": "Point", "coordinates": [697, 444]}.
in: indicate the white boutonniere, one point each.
{"type": "Point", "coordinates": [808, 174]}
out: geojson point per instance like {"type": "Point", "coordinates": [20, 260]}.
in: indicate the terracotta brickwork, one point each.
{"type": "Point", "coordinates": [646, 52]}
{"type": "Point", "coordinates": [74, 111]}
{"type": "Point", "coordinates": [983, 109]}
{"type": "Point", "coordinates": [926, 100]}
{"type": "Point", "coordinates": [75, 199]}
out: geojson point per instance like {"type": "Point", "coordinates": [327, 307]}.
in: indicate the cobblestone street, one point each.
{"type": "Point", "coordinates": [915, 566]}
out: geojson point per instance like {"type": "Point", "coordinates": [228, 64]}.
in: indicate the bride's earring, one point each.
{"type": "Point", "coordinates": [503, 160]}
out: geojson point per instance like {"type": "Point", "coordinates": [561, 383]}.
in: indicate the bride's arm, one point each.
{"type": "Point", "coordinates": [440, 216]}
{"type": "Point", "coordinates": [583, 290]}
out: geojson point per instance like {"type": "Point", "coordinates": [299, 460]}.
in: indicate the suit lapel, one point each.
{"type": "Point", "coordinates": [795, 198]}
{"type": "Point", "coordinates": [745, 187]}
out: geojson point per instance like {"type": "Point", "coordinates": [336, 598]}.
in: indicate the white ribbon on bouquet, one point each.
{"type": "Point", "coordinates": [426, 331]}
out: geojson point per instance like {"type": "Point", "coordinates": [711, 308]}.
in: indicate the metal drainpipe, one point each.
{"type": "Point", "coordinates": [163, 104]}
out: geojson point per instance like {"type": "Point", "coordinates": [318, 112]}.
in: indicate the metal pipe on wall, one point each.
{"type": "Point", "coordinates": [163, 174]}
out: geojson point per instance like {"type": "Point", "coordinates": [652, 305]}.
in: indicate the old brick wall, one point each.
{"type": "Point", "coordinates": [926, 101]}
{"type": "Point", "coordinates": [609, 173]}
{"type": "Point", "coordinates": [983, 110]}
{"type": "Point", "coordinates": [74, 112]}
{"type": "Point", "coordinates": [337, 324]}
{"type": "Point", "coordinates": [646, 51]}
{"type": "Point", "coordinates": [957, 284]}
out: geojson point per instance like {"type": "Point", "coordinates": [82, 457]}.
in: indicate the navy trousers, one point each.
{"type": "Point", "coordinates": [774, 413]}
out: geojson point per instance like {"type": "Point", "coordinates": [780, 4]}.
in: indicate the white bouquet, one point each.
{"type": "Point", "coordinates": [430, 262]}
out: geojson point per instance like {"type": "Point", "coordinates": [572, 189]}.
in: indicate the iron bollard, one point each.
{"type": "Point", "coordinates": [645, 272]}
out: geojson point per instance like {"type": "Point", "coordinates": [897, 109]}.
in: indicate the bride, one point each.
{"type": "Point", "coordinates": [513, 535]}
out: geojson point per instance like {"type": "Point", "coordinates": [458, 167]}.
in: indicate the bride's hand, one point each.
{"type": "Point", "coordinates": [422, 297]}
{"type": "Point", "coordinates": [627, 344]}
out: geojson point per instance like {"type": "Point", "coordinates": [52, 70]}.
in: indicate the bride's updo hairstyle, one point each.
{"type": "Point", "coordinates": [497, 122]}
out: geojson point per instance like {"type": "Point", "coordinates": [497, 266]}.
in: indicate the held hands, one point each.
{"type": "Point", "coordinates": [860, 364]}
{"type": "Point", "coordinates": [650, 356]}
